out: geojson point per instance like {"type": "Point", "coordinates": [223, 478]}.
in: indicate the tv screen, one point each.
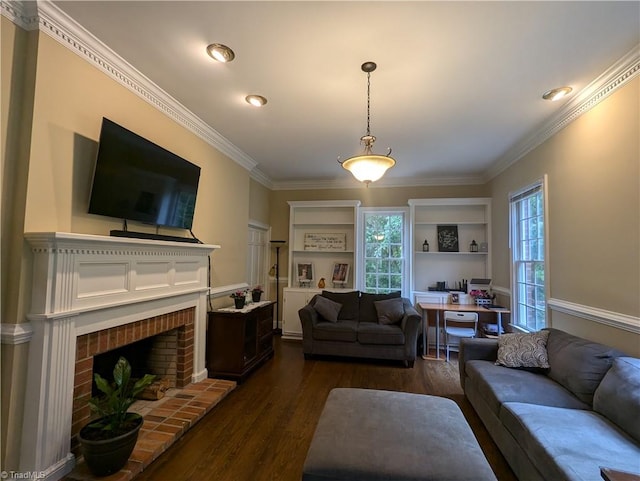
{"type": "Point", "coordinates": [138, 180]}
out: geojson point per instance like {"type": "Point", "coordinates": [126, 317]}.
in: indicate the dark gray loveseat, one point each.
{"type": "Point", "coordinates": [563, 424]}
{"type": "Point", "coordinates": [354, 324]}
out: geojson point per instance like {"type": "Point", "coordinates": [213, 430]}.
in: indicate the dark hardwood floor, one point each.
{"type": "Point", "coordinates": [263, 429]}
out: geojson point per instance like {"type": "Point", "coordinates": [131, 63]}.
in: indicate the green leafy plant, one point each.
{"type": "Point", "coordinates": [117, 398]}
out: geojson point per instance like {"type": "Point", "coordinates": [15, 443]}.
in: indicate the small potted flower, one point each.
{"type": "Point", "coordinates": [256, 293]}
{"type": "Point", "coordinates": [239, 298]}
{"type": "Point", "coordinates": [481, 297]}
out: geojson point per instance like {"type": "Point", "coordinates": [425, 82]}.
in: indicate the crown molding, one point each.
{"type": "Point", "coordinates": [259, 176]}
{"type": "Point", "coordinates": [23, 14]}
{"type": "Point", "coordinates": [386, 182]}
{"type": "Point", "coordinates": [607, 83]}
{"type": "Point", "coordinates": [65, 30]}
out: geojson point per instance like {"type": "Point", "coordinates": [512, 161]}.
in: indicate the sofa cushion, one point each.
{"type": "Point", "coordinates": [569, 444]}
{"type": "Point", "coordinates": [618, 395]}
{"type": "Point", "coordinates": [498, 384]}
{"type": "Point", "coordinates": [327, 308]}
{"type": "Point", "coordinates": [578, 364]}
{"type": "Point", "coordinates": [350, 304]}
{"type": "Point", "coordinates": [523, 350]}
{"type": "Point", "coordinates": [367, 307]}
{"type": "Point", "coordinates": [389, 311]}
{"type": "Point", "coordinates": [336, 331]}
{"type": "Point", "coordinates": [375, 333]}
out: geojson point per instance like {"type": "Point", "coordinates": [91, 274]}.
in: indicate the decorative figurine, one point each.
{"type": "Point", "coordinates": [321, 283]}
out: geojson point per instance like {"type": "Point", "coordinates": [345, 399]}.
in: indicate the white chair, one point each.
{"type": "Point", "coordinates": [459, 324]}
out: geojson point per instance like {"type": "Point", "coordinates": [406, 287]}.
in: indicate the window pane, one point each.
{"type": "Point", "coordinates": [383, 251]}
{"type": "Point", "coordinates": [527, 221]}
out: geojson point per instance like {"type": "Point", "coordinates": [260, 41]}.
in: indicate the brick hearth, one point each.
{"type": "Point", "coordinates": [165, 421]}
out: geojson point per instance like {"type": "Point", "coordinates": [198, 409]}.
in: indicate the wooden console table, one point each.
{"type": "Point", "coordinates": [239, 341]}
{"type": "Point", "coordinates": [440, 308]}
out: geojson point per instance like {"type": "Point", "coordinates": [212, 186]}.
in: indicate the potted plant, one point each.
{"type": "Point", "coordinates": [256, 293]}
{"type": "Point", "coordinates": [239, 298]}
{"type": "Point", "coordinates": [108, 441]}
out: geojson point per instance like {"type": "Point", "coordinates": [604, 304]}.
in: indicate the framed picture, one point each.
{"type": "Point", "coordinates": [455, 298]}
{"type": "Point", "coordinates": [448, 238]}
{"type": "Point", "coordinates": [325, 242]}
{"type": "Point", "coordinates": [340, 273]}
{"type": "Point", "coordinates": [305, 274]}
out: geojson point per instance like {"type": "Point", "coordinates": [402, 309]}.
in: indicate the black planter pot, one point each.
{"type": "Point", "coordinates": [108, 456]}
{"type": "Point", "coordinates": [239, 302]}
{"type": "Point", "coordinates": [256, 295]}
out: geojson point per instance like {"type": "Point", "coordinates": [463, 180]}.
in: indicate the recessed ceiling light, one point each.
{"type": "Point", "coordinates": [256, 100]}
{"type": "Point", "coordinates": [220, 52]}
{"type": "Point", "coordinates": [556, 94]}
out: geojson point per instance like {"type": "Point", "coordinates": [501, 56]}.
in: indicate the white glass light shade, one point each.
{"type": "Point", "coordinates": [256, 100]}
{"type": "Point", "coordinates": [220, 52]}
{"type": "Point", "coordinates": [557, 94]}
{"type": "Point", "coordinates": [368, 168]}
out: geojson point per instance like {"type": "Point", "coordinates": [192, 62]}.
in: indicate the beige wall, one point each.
{"type": "Point", "coordinates": [259, 202]}
{"type": "Point", "coordinates": [71, 98]}
{"type": "Point", "coordinates": [593, 169]}
{"type": "Point", "coordinates": [17, 75]}
{"type": "Point", "coordinates": [58, 147]}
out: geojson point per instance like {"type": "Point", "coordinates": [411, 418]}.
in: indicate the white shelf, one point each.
{"type": "Point", "coordinates": [472, 216]}
{"type": "Point", "coordinates": [449, 223]}
{"type": "Point", "coordinates": [302, 251]}
{"type": "Point", "coordinates": [453, 253]}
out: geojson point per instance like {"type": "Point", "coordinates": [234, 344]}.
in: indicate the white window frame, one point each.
{"type": "Point", "coordinates": [518, 302]}
{"type": "Point", "coordinates": [406, 253]}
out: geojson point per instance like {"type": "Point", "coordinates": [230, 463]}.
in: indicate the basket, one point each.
{"type": "Point", "coordinates": [483, 302]}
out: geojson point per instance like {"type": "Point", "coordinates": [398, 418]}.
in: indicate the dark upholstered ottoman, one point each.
{"type": "Point", "coordinates": [365, 434]}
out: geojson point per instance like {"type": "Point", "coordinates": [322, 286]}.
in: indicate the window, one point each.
{"type": "Point", "coordinates": [384, 238]}
{"type": "Point", "coordinates": [529, 305]}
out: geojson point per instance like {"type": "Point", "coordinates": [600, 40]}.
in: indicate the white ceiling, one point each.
{"type": "Point", "coordinates": [458, 84]}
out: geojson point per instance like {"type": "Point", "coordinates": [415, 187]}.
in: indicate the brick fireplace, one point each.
{"type": "Point", "coordinates": [174, 328]}
{"type": "Point", "coordinates": [92, 294]}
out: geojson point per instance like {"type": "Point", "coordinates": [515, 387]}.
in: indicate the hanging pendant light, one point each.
{"type": "Point", "coordinates": [368, 167]}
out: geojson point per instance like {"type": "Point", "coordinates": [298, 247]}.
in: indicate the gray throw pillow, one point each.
{"type": "Point", "coordinates": [390, 311]}
{"type": "Point", "coordinates": [618, 395]}
{"type": "Point", "coordinates": [528, 350]}
{"type": "Point", "coordinates": [327, 308]}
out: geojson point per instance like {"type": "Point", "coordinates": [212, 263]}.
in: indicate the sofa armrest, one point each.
{"type": "Point", "coordinates": [476, 348]}
{"type": "Point", "coordinates": [410, 324]}
{"type": "Point", "coordinates": [308, 316]}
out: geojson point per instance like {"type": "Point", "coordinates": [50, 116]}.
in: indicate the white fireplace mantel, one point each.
{"type": "Point", "coordinates": [87, 283]}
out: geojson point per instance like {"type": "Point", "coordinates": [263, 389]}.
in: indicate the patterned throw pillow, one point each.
{"type": "Point", "coordinates": [523, 350]}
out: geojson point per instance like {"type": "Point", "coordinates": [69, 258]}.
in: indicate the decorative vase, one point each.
{"type": "Point", "coordinates": [107, 456]}
{"type": "Point", "coordinates": [321, 283]}
{"type": "Point", "coordinates": [255, 296]}
{"type": "Point", "coordinates": [239, 301]}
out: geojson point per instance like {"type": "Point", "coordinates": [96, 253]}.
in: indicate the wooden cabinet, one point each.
{"type": "Point", "coordinates": [471, 218]}
{"type": "Point", "coordinates": [239, 341]}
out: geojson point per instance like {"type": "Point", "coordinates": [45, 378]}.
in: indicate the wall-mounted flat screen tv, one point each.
{"type": "Point", "coordinates": [138, 180]}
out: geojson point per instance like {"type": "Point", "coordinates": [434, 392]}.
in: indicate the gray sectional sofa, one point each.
{"type": "Point", "coordinates": [564, 423]}
{"type": "Point", "coordinates": [354, 324]}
